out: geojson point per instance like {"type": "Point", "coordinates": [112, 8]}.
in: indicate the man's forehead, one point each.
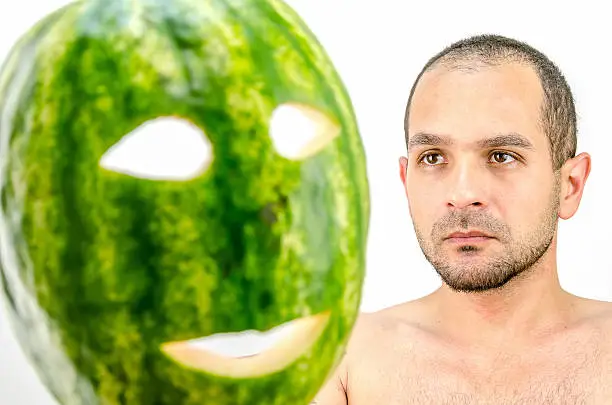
{"type": "Point", "coordinates": [481, 107]}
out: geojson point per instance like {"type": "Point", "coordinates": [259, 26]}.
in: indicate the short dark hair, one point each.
{"type": "Point", "coordinates": [558, 113]}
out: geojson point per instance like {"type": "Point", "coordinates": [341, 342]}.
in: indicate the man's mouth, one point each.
{"type": "Point", "coordinates": [249, 353]}
{"type": "Point", "coordinates": [468, 237]}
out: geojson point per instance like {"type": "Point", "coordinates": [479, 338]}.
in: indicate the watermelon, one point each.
{"type": "Point", "coordinates": [118, 273]}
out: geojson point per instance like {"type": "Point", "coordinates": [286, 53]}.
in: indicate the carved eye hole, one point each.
{"type": "Point", "coordinates": [164, 148]}
{"type": "Point", "coordinates": [299, 131]}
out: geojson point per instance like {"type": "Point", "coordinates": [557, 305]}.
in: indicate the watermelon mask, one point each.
{"type": "Point", "coordinates": [174, 174]}
{"type": "Point", "coordinates": [173, 149]}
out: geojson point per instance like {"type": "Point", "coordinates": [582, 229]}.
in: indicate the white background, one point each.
{"type": "Point", "coordinates": [378, 48]}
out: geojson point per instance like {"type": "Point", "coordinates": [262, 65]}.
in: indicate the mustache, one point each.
{"type": "Point", "coordinates": [469, 220]}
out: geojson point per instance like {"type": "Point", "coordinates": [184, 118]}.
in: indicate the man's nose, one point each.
{"type": "Point", "coordinates": [467, 185]}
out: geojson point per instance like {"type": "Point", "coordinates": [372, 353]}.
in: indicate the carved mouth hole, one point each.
{"type": "Point", "coordinates": [249, 353]}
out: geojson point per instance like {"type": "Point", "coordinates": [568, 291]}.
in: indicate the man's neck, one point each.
{"type": "Point", "coordinates": [528, 307]}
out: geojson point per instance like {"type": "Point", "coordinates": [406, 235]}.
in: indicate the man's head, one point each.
{"type": "Point", "coordinates": [491, 136]}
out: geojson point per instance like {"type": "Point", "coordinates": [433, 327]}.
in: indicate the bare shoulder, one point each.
{"type": "Point", "coordinates": [368, 346]}
{"type": "Point", "coordinates": [593, 326]}
{"type": "Point", "coordinates": [370, 327]}
{"type": "Point", "coordinates": [382, 335]}
{"type": "Point", "coordinates": [373, 325]}
{"type": "Point", "coordinates": [597, 316]}
{"type": "Point", "coordinates": [385, 324]}
{"type": "Point", "coordinates": [595, 312]}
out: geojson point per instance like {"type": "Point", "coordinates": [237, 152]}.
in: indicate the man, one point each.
{"type": "Point", "coordinates": [491, 166]}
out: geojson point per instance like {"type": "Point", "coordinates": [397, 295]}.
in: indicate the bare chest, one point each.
{"type": "Point", "coordinates": [563, 375]}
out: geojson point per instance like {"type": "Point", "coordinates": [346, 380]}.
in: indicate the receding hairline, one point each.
{"type": "Point", "coordinates": [457, 60]}
{"type": "Point", "coordinates": [474, 63]}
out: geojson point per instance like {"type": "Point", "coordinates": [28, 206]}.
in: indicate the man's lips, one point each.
{"type": "Point", "coordinates": [470, 236]}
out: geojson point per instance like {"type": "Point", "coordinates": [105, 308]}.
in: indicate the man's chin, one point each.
{"type": "Point", "coordinates": [473, 272]}
{"type": "Point", "coordinates": [464, 286]}
{"type": "Point", "coordinates": [474, 281]}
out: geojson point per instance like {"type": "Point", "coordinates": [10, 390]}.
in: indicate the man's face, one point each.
{"type": "Point", "coordinates": [479, 161]}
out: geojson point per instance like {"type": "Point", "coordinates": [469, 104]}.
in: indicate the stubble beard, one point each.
{"type": "Point", "coordinates": [473, 272]}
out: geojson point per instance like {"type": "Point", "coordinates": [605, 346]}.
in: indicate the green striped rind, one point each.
{"type": "Point", "coordinates": [37, 332]}
{"type": "Point", "coordinates": [119, 265]}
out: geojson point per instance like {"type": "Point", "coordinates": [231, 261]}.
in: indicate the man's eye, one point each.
{"type": "Point", "coordinates": [429, 159]}
{"type": "Point", "coordinates": [501, 157]}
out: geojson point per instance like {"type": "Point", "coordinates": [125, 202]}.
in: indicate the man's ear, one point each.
{"type": "Point", "coordinates": [403, 166]}
{"type": "Point", "coordinates": [574, 175]}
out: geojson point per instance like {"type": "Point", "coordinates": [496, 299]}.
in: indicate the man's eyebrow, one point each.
{"type": "Point", "coordinates": [511, 139]}
{"type": "Point", "coordinates": [426, 139]}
